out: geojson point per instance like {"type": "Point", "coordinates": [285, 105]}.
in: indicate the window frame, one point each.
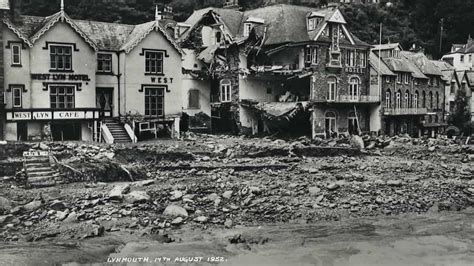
{"type": "Point", "coordinates": [159, 94]}
{"type": "Point", "coordinates": [225, 91]}
{"type": "Point", "coordinates": [64, 56]}
{"type": "Point", "coordinates": [332, 89]}
{"type": "Point", "coordinates": [407, 78]}
{"type": "Point", "coordinates": [190, 105]}
{"type": "Point", "coordinates": [57, 103]}
{"type": "Point", "coordinates": [19, 47]}
{"type": "Point", "coordinates": [399, 78]}
{"type": "Point", "coordinates": [354, 83]}
{"type": "Point", "coordinates": [99, 60]}
{"type": "Point", "coordinates": [20, 89]}
{"type": "Point", "coordinates": [248, 26]}
{"type": "Point", "coordinates": [149, 60]}
{"type": "Point", "coordinates": [311, 56]}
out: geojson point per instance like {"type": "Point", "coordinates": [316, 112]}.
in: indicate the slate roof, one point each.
{"type": "Point", "coordinates": [387, 46]}
{"type": "Point", "coordinates": [402, 64]}
{"type": "Point", "coordinates": [446, 69]}
{"type": "Point", "coordinates": [285, 23]}
{"type": "Point", "coordinates": [384, 70]}
{"type": "Point", "coordinates": [103, 35]}
{"type": "Point", "coordinates": [424, 64]}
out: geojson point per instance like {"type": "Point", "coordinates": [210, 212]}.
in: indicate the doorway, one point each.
{"type": "Point", "coordinates": [105, 101]}
{"type": "Point", "coordinates": [330, 122]}
{"type": "Point", "coordinates": [22, 131]}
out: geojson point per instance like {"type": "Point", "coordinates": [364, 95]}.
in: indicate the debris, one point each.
{"type": "Point", "coordinates": [118, 191]}
{"type": "Point", "coordinates": [137, 197]}
{"type": "Point", "coordinates": [33, 206]}
{"type": "Point", "coordinates": [176, 211]}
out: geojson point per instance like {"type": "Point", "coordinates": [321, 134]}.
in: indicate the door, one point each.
{"type": "Point", "coordinates": [353, 126]}
{"type": "Point", "coordinates": [105, 101]}
{"type": "Point", "coordinates": [22, 131]}
{"type": "Point", "coordinates": [330, 125]}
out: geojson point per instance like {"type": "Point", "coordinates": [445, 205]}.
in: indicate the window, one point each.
{"type": "Point", "coordinates": [387, 79]}
{"type": "Point", "coordinates": [398, 103]}
{"type": "Point", "coordinates": [154, 102]}
{"type": "Point", "coordinates": [247, 28]}
{"type": "Point", "coordinates": [16, 54]}
{"type": "Point", "coordinates": [353, 125]}
{"type": "Point", "coordinates": [193, 99]}
{"type": "Point", "coordinates": [62, 97]}
{"type": "Point", "coordinates": [332, 89]}
{"type": "Point", "coordinates": [17, 92]}
{"type": "Point", "coordinates": [104, 63]}
{"type": "Point", "coordinates": [407, 78]}
{"type": "Point", "coordinates": [399, 78]}
{"type": "Point", "coordinates": [354, 89]}
{"type": "Point", "coordinates": [424, 100]}
{"type": "Point", "coordinates": [452, 88]}
{"type": "Point", "coordinates": [431, 100]}
{"type": "Point", "coordinates": [350, 58]}
{"type": "Point", "coordinates": [407, 99]}
{"type": "Point", "coordinates": [462, 59]}
{"type": "Point", "coordinates": [218, 36]}
{"type": "Point", "coordinates": [437, 100]}
{"type": "Point", "coordinates": [313, 23]}
{"type": "Point", "coordinates": [226, 86]}
{"type": "Point", "coordinates": [415, 100]}
{"type": "Point", "coordinates": [311, 56]}
{"type": "Point", "coordinates": [362, 59]}
{"type": "Point", "coordinates": [154, 62]}
{"type": "Point", "coordinates": [61, 58]}
{"type": "Point", "coordinates": [330, 124]}
{"type": "Point", "coordinates": [388, 99]}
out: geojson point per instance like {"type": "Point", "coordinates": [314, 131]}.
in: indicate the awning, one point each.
{"type": "Point", "coordinates": [207, 55]}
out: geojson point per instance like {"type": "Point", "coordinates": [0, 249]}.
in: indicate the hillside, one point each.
{"type": "Point", "coordinates": [405, 21]}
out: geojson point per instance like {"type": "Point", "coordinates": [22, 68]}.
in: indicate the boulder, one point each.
{"type": "Point", "coordinates": [227, 194]}
{"type": "Point", "coordinates": [357, 142]}
{"type": "Point", "coordinates": [137, 197]}
{"type": "Point", "coordinates": [118, 191]}
{"type": "Point", "coordinates": [175, 211]}
{"type": "Point", "coordinates": [33, 206]}
{"type": "Point", "coordinates": [314, 191]}
{"type": "Point", "coordinates": [176, 195]}
{"type": "Point", "coordinates": [144, 183]}
{"type": "Point", "coordinates": [5, 204]}
{"type": "Point", "coordinates": [177, 221]}
{"type": "Point", "coordinates": [201, 219]}
{"type": "Point", "coordinates": [71, 218]}
{"type": "Point", "coordinates": [58, 205]}
{"type": "Point", "coordinates": [332, 186]}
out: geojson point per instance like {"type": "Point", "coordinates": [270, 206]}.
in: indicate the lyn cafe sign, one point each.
{"type": "Point", "coordinates": [51, 115]}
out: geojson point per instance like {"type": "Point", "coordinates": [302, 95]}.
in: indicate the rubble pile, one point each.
{"type": "Point", "coordinates": [234, 181]}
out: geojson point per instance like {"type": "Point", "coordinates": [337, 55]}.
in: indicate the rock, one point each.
{"type": "Point", "coordinates": [5, 204]}
{"type": "Point", "coordinates": [71, 218]}
{"type": "Point", "coordinates": [175, 211]}
{"type": "Point", "coordinates": [227, 194]}
{"type": "Point", "coordinates": [357, 142]}
{"type": "Point", "coordinates": [17, 210]}
{"type": "Point", "coordinates": [228, 223]}
{"type": "Point", "coordinates": [5, 219]}
{"type": "Point", "coordinates": [62, 215]}
{"type": "Point", "coordinates": [313, 191]}
{"type": "Point", "coordinates": [118, 191]}
{"type": "Point", "coordinates": [43, 147]}
{"type": "Point", "coordinates": [33, 206]}
{"type": "Point", "coordinates": [255, 190]}
{"type": "Point", "coordinates": [144, 183]}
{"type": "Point", "coordinates": [201, 219]}
{"type": "Point", "coordinates": [432, 149]}
{"type": "Point", "coordinates": [137, 197]}
{"type": "Point", "coordinates": [58, 205]}
{"type": "Point", "coordinates": [394, 183]}
{"type": "Point", "coordinates": [213, 197]}
{"type": "Point", "coordinates": [177, 221]}
{"type": "Point", "coordinates": [333, 186]}
{"type": "Point", "coordinates": [176, 195]}
{"type": "Point", "coordinates": [97, 232]}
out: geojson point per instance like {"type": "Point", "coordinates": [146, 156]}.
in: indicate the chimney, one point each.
{"type": "Point", "coordinates": [168, 12]}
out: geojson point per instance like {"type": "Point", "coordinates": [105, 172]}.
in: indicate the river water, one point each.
{"type": "Point", "coordinates": [428, 239]}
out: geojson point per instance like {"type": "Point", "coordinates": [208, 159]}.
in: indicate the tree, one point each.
{"type": "Point", "coordinates": [461, 117]}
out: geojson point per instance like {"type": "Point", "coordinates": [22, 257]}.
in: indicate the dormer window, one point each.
{"type": "Point", "coordinates": [313, 23]}
{"type": "Point", "coordinates": [250, 23]}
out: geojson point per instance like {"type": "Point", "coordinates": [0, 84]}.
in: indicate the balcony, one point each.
{"type": "Point", "coordinates": [349, 99]}
{"type": "Point", "coordinates": [404, 111]}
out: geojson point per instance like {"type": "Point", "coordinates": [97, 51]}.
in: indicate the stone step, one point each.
{"type": "Point", "coordinates": [38, 169]}
{"type": "Point", "coordinates": [47, 173]}
{"type": "Point", "coordinates": [37, 160]}
{"type": "Point", "coordinates": [37, 165]}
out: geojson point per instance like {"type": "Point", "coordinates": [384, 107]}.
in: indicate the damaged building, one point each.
{"type": "Point", "coordinates": [282, 69]}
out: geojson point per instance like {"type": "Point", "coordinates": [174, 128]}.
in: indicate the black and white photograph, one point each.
{"type": "Point", "coordinates": [237, 132]}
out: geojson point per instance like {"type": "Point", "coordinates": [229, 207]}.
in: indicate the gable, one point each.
{"type": "Point", "coordinates": [49, 22]}
{"type": "Point", "coordinates": [337, 17]}
{"type": "Point", "coordinates": [140, 32]}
